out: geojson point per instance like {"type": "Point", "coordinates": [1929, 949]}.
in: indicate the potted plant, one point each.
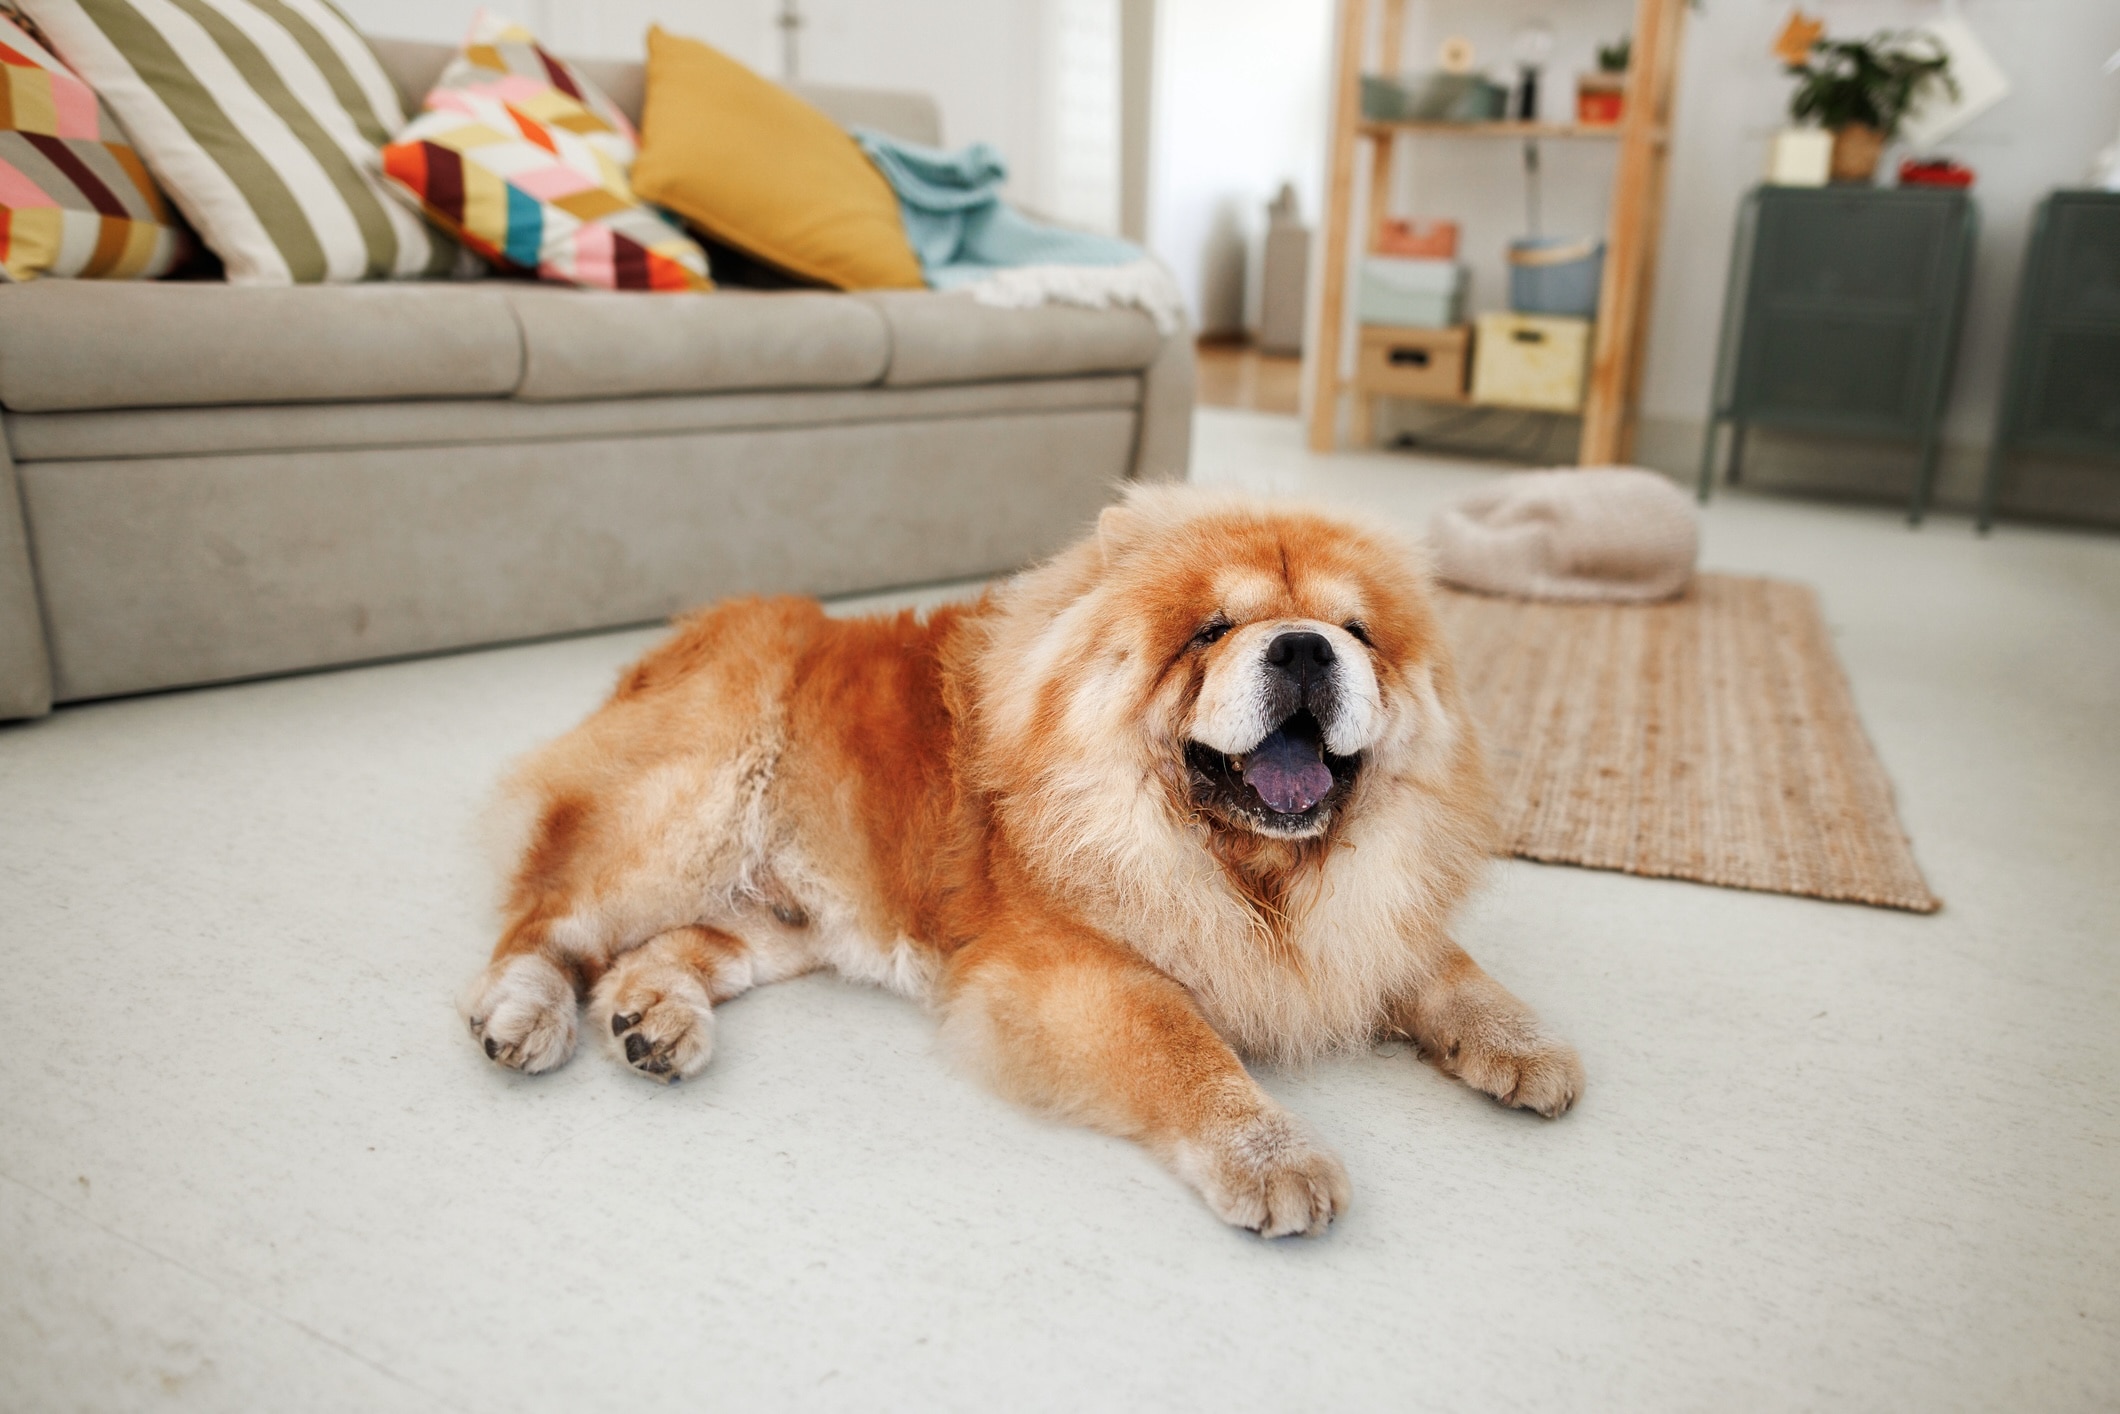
{"type": "Point", "coordinates": [1601, 98]}
{"type": "Point", "coordinates": [1859, 89]}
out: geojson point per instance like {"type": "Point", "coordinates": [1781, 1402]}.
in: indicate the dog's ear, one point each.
{"type": "Point", "coordinates": [1117, 526]}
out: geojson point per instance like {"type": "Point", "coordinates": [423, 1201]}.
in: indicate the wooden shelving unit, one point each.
{"type": "Point", "coordinates": [1618, 341]}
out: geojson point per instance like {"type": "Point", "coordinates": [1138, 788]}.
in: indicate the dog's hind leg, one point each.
{"type": "Point", "coordinates": [593, 882]}
{"type": "Point", "coordinates": [655, 1007]}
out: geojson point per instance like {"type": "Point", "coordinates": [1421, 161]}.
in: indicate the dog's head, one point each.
{"type": "Point", "coordinates": [1248, 665]}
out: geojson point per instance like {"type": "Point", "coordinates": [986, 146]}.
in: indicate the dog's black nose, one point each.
{"type": "Point", "coordinates": [1300, 654]}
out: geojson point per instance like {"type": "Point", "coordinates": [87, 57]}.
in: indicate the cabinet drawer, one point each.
{"type": "Point", "coordinates": [1413, 363]}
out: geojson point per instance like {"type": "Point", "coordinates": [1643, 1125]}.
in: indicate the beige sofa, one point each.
{"type": "Point", "coordinates": [201, 483]}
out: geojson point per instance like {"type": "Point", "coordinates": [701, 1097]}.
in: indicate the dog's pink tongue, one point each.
{"type": "Point", "coordinates": [1288, 772]}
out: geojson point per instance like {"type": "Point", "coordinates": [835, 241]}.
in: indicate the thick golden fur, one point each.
{"type": "Point", "coordinates": [991, 809]}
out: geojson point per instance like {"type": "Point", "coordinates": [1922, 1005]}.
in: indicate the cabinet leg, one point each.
{"type": "Point", "coordinates": [1737, 453]}
{"type": "Point", "coordinates": [1707, 461]}
{"type": "Point", "coordinates": [1924, 478]}
{"type": "Point", "coordinates": [1990, 487]}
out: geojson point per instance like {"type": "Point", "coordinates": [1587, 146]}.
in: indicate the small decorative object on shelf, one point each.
{"type": "Point", "coordinates": [1437, 97]}
{"type": "Point", "coordinates": [1418, 240]}
{"type": "Point", "coordinates": [1533, 45]}
{"type": "Point", "coordinates": [1601, 97]}
{"type": "Point", "coordinates": [1860, 89]}
{"type": "Point", "coordinates": [1800, 157]}
{"type": "Point", "coordinates": [1934, 172]}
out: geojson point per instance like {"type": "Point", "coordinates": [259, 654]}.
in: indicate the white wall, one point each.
{"type": "Point", "coordinates": [986, 62]}
{"type": "Point", "coordinates": [1241, 90]}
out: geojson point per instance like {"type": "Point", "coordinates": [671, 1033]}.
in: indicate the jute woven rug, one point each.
{"type": "Point", "coordinates": [1711, 737]}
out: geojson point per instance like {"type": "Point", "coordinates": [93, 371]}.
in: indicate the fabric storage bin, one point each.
{"type": "Point", "coordinates": [1425, 294]}
{"type": "Point", "coordinates": [1530, 361]}
{"type": "Point", "coordinates": [1417, 240]}
{"type": "Point", "coordinates": [1413, 363]}
{"type": "Point", "coordinates": [1382, 98]}
{"type": "Point", "coordinates": [1451, 98]}
{"type": "Point", "coordinates": [1548, 276]}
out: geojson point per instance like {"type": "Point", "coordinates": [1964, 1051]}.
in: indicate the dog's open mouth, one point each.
{"type": "Point", "coordinates": [1284, 785]}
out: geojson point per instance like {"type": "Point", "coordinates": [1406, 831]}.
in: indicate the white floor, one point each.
{"type": "Point", "coordinates": [1830, 1157]}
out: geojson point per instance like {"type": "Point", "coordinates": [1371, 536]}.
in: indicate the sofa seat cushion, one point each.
{"type": "Point", "coordinates": [580, 344]}
{"type": "Point", "coordinates": [938, 338]}
{"type": "Point", "coordinates": [93, 344]}
{"type": "Point", "coordinates": [165, 434]}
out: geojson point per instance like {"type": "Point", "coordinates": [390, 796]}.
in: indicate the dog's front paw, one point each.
{"type": "Point", "coordinates": [1531, 1071]}
{"type": "Point", "coordinates": [521, 1012]}
{"type": "Point", "coordinates": [655, 1016]}
{"type": "Point", "coordinates": [1264, 1173]}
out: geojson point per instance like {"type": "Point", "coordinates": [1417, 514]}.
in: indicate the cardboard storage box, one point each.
{"type": "Point", "coordinates": [1423, 294]}
{"type": "Point", "coordinates": [1413, 363]}
{"type": "Point", "coordinates": [1530, 361]}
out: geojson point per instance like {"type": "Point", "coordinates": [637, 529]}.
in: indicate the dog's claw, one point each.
{"type": "Point", "coordinates": [620, 1025]}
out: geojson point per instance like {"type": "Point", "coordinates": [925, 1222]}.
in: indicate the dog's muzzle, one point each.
{"type": "Point", "coordinates": [1287, 768]}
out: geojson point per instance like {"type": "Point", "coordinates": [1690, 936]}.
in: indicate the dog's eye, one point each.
{"type": "Point", "coordinates": [1209, 632]}
{"type": "Point", "coordinates": [1359, 629]}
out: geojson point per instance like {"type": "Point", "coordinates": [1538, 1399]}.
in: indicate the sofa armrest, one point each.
{"type": "Point", "coordinates": [25, 666]}
{"type": "Point", "coordinates": [1163, 445]}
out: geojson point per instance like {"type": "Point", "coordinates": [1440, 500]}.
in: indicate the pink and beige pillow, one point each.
{"type": "Point", "coordinates": [74, 197]}
{"type": "Point", "coordinates": [524, 160]}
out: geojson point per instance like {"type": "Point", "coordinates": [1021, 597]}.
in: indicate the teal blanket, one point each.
{"type": "Point", "coordinates": [958, 224]}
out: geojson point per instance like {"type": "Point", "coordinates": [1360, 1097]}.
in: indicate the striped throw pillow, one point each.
{"type": "Point", "coordinates": [524, 160]}
{"type": "Point", "coordinates": [262, 119]}
{"type": "Point", "coordinates": [74, 199]}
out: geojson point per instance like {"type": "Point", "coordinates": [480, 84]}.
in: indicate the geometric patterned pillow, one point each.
{"type": "Point", "coordinates": [74, 199]}
{"type": "Point", "coordinates": [524, 160]}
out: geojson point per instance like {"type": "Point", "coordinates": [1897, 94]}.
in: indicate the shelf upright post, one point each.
{"type": "Point", "coordinates": [1630, 255]}
{"type": "Point", "coordinates": [1322, 351]}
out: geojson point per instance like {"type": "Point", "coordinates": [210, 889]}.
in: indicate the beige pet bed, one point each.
{"type": "Point", "coordinates": [1612, 533]}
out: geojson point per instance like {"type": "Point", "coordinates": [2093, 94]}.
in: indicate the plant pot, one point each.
{"type": "Point", "coordinates": [1600, 99]}
{"type": "Point", "coordinates": [1856, 150]}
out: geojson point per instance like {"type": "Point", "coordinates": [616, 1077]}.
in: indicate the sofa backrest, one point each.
{"type": "Point", "coordinates": [415, 65]}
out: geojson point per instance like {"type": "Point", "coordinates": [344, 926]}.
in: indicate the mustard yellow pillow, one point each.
{"type": "Point", "coordinates": [755, 167]}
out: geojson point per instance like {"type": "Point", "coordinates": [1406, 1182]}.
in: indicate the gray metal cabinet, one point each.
{"type": "Point", "coordinates": [1842, 316]}
{"type": "Point", "coordinates": [2063, 393]}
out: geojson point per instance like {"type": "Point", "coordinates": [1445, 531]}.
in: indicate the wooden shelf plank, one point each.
{"type": "Point", "coordinates": [1373, 128]}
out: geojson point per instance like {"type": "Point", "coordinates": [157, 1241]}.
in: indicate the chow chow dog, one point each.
{"type": "Point", "coordinates": [1200, 787]}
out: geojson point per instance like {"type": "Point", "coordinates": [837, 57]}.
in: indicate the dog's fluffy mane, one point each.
{"type": "Point", "coordinates": [1075, 719]}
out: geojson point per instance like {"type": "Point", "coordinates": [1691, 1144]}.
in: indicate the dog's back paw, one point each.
{"type": "Point", "coordinates": [521, 1011]}
{"type": "Point", "coordinates": [655, 1014]}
